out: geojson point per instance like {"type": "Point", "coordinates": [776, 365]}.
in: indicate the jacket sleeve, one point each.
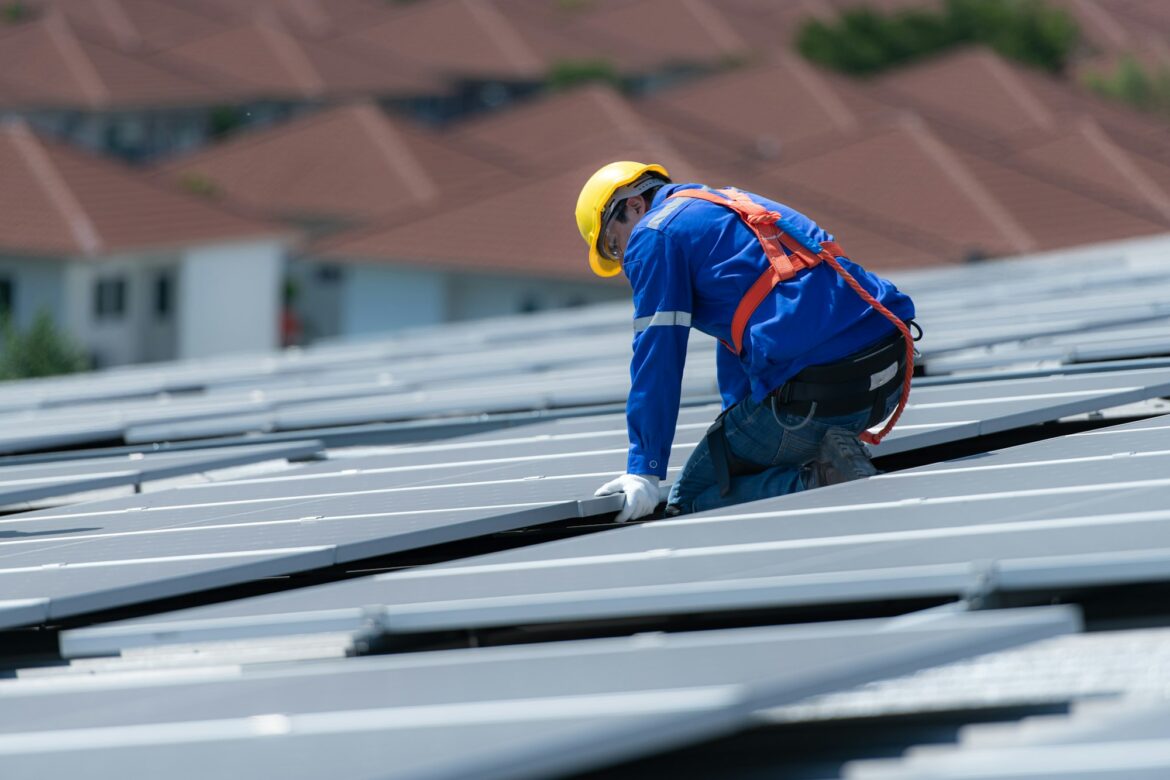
{"type": "Point", "coordinates": [660, 277]}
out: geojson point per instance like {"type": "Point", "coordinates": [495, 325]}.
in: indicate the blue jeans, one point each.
{"type": "Point", "coordinates": [775, 443]}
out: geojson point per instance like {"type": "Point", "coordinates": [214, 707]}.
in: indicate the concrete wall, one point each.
{"type": "Point", "coordinates": [228, 299]}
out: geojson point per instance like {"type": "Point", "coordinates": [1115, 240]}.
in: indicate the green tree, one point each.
{"type": "Point", "coordinates": [39, 350]}
{"type": "Point", "coordinates": [1132, 83]}
{"type": "Point", "coordinates": [571, 73]}
{"type": "Point", "coordinates": [862, 41]}
{"type": "Point", "coordinates": [14, 12]}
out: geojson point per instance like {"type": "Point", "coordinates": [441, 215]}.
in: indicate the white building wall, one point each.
{"type": "Point", "coordinates": [229, 299]}
{"type": "Point", "coordinates": [381, 298]}
{"type": "Point", "coordinates": [37, 285]}
{"type": "Point", "coordinates": [318, 299]}
{"type": "Point", "coordinates": [377, 298]}
{"type": "Point", "coordinates": [109, 340]}
{"type": "Point", "coordinates": [477, 296]}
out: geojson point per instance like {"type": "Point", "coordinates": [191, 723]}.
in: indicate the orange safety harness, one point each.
{"type": "Point", "coordinates": [786, 258]}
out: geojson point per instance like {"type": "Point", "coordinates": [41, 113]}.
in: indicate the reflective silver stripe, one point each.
{"type": "Point", "coordinates": [883, 376]}
{"type": "Point", "coordinates": [682, 318]}
{"type": "Point", "coordinates": [672, 205]}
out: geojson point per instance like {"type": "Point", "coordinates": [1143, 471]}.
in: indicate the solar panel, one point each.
{"type": "Point", "coordinates": [1082, 509]}
{"type": "Point", "coordinates": [392, 508]}
{"type": "Point", "coordinates": [1128, 740]}
{"type": "Point", "coordinates": [30, 482]}
{"type": "Point", "coordinates": [512, 711]}
{"type": "Point", "coordinates": [1114, 343]}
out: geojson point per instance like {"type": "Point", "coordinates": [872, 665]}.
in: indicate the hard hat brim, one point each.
{"type": "Point", "coordinates": [602, 266]}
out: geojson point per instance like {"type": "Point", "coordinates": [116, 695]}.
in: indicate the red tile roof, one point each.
{"type": "Point", "coordinates": [527, 230]}
{"type": "Point", "coordinates": [632, 35]}
{"type": "Point", "coordinates": [996, 98]}
{"type": "Point", "coordinates": [912, 176]}
{"type": "Point", "coordinates": [46, 63]}
{"type": "Point", "coordinates": [752, 109]}
{"type": "Point", "coordinates": [137, 26]}
{"type": "Point", "coordinates": [1011, 114]}
{"type": "Point", "coordinates": [55, 200]}
{"type": "Point", "coordinates": [1056, 216]}
{"type": "Point", "coordinates": [557, 130]}
{"type": "Point", "coordinates": [1088, 155]}
{"type": "Point", "coordinates": [261, 58]}
{"type": "Point", "coordinates": [907, 175]}
{"type": "Point", "coordinates": [451, 38]}
{"type": "Point", "coordinates": [349, 163]}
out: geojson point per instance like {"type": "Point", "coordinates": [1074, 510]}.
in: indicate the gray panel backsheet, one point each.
{"type": "Point", "coordinates": [623, 698]}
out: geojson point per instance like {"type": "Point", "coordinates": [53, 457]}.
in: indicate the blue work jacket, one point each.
{"type": "Point", "coordinates": [689, 263]}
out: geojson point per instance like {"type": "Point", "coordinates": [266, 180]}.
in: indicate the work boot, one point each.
{"type": "Point", "coordinates": [840, 458]}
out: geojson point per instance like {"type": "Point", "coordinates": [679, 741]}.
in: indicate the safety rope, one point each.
{"type": "Point", "coordinates": [866, 436]}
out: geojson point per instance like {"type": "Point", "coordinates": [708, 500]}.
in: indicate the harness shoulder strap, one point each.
{"type": "Point", "coordinates": [786, 256]}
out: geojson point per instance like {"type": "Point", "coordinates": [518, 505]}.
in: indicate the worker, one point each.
{"type": "Point", "coordinates": [806, 364]}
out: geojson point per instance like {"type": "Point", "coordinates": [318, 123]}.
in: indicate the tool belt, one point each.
{"type": "Point", "coordinates": [862, 380]}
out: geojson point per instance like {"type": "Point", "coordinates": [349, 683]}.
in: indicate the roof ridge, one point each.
{"type": "Point", "coordinates": [256, 136]}
{"type": "Point", "coordinates": [503, 34]}
{"type": "Point", "coordinates": [118, 22]}
{"type": "Point", "coordinates": [622, 114]}
{"type": "Point", "coordinates": [715, 24]}
{"type": "Point", "coordinates": [954, 169]}
{"type": "Point", "coordinates": [1120, 161]}
{"type": "Point", "coordinates": [289, 53]}
{"type": "Point", "coordinates": [394, 151]}
{"type": "Point", "coordinates": [1011, 82]}
{"type": "Point", "coordinates": [316, 20]}
{"type": "Point", "coordinates": [76, 60]}
{"type": "Point", "coordinates": [1105, 22]}
{"type": "Point", "coordinates": [822, 91]}
{"type": "Point", "coordinates": [876, 222]}
{"type": "Point", "coordinates": [44, 171]}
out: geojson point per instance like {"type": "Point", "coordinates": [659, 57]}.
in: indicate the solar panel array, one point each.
{"type": "Point", "coordinates": [266, 685]}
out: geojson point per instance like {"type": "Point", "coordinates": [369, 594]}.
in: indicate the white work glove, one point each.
{"type": "Point", "coordinates": [641, 493]}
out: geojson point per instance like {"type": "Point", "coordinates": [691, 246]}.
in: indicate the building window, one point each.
{"type": "Point", "coordinates": [164, 292]}
{"type": "Point", "coordinates": [329, 274]}
{"type": "Point", "coordinates": [109, 300]}
{"type": "Point", "coordinates": [6, 296]}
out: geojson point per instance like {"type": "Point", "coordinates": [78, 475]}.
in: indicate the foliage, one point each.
{"type": "Point", "coordinates": [198, 184]}
{"type": "Point", "coordinates": [566, 74]}
{"type": "Point", "coordinates": [224, 120]}
{"type": "Point", "coordinates": [15, 11]}
{"type": "Point", "coordinates": [1133, 84]}
{"type": "Point", "coordinates": [41, 350]}
{"type": "Point", "coordinates": [863, 41]}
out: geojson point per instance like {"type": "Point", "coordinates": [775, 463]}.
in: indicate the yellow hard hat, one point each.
{"type": "Point", "coordinates": [596, 196]}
